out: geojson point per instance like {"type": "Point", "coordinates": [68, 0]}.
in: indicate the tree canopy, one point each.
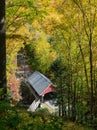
{"type": "Point", "coordinates": [60, 41]}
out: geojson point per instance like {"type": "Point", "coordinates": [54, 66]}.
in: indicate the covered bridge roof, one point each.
{"type": "Point", "coordinates": [40, 83]}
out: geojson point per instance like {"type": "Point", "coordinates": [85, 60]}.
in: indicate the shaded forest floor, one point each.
{"type": "Point", "coordinates": [17, 118]}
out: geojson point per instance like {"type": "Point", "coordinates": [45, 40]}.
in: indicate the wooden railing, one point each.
{"type": "Point", "coordinates": [34, 105]}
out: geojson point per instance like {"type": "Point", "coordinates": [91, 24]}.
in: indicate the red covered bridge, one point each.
{"type": "Point", "coordinates": [41, 87]}
{"type": "Point", "coordinates": [40, 84]}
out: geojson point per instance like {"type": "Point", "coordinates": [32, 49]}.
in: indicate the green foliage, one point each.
{"type": "Point", "coordinates": [71, 27]}
{"type": "Point", "coordinates": [27, 97]}
{"type": "Point", "coordinates": [58, 67]}
{"type": "Point", "coordinates": [43, 111]}
{"type": "Point", "coordinates": [13, 118]}
{"type": "Point", "coordinates": [41, 53]}
{"type": "Point", "coordinates": [19, 18]}
{"type": "Point", "coordinates": [4, 106]}
{"type": "Point", "coordinates": [1, 91]}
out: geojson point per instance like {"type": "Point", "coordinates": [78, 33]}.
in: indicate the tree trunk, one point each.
{"type": "Point", "coordinates": [69, 81]}
{"type": "Point", "coordinates": [85, 68]}
{"type": "Point", "coordinates": [91, 73]}
{"type": "Point", "coordinates": [2, 51]}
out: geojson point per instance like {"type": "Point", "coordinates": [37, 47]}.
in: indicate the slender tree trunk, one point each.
{"type": "Point", "coordinates": [2, 50]}
{"type": "Point", "coordinates": [91, 74]}
{"type": "Point", "coordinates": [61, 98]}
{"type": "Point", "coordinates": [94, 77]}
{"type": "Point", "coordinates": [69, 81]}
{"type": "Point", "coordinates": [61, 95]}
{"type": "Point", "coordinates": [95, 90]}
{"type": "Point", "coordinates": [74, 103]}
{"type": "Point", "coordinates": [75, 88]}
{"type": "Point", "coordinates": [85, 68]}
{"type": "Point", "coordinates": [59, 110]}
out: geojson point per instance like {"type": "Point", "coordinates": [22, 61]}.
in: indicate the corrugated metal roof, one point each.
{"type": "Point", "coordinates": [39, 82]}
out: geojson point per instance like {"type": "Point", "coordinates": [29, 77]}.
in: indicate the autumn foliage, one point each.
{"type": "Point", "coordinates": [14, 86]}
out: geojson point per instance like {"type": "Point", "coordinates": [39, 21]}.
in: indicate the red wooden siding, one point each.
{"type": "Point", "coordinates": [47, 90]}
